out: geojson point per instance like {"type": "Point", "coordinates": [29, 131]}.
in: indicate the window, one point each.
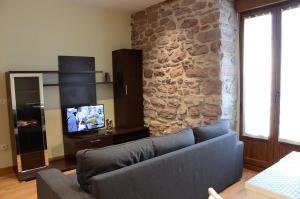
{"type": "Point", "coordinates": [257, 75]}
{"type": "Point", "coordinates": [289, 130]}
{"type": "Point", "coordinates": [271, 74]}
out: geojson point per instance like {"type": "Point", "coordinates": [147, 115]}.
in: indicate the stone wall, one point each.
{"type": "Point", "coordinates": [228, 61]}
{"type": "Point", "coordinates": [189, 68]}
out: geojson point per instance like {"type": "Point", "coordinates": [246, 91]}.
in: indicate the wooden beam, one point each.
{"type": "Point", "coordinates": [246, 5]}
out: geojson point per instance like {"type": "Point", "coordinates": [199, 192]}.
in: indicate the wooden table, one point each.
{"type": "Point", "coordinates": [280, 181]}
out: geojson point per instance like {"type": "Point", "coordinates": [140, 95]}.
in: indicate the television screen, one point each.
{"type": "Point", "coordinates": [85, 118]}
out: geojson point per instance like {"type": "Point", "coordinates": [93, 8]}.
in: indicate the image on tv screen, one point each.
{"type": "Point", "coordinates": [85, 118]}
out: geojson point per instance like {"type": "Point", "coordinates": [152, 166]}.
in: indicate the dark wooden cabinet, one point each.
{"type": "Point", "coordinates": [72, 144]}
{"type": "Point", "coordinates": [94, 142]}
{"type": "Point", "coordinates": [27, 124]}
{"type": "Point", "coordinates": [128, 88]}
{"type": "Point", "coordinates": [77, 81]}
{"type": "Point", "coordinates": [101, 139]}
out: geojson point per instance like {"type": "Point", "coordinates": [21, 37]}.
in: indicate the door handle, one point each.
{"type": "Point", "coordinates": [94, 141]}
{"type": "Point", "coordinates": [126, 90]}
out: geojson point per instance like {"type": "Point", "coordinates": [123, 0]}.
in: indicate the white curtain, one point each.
{"type": "Point", "coordinates": [289, 126]}
{"type": "Point", "coordinates": [257, 71]}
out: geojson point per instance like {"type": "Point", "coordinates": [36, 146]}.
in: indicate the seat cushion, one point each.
{"type": "Point", "coordinates": [91, 162]}
{"type": "Point", "coordinates": [207, 132]}
{"type": "Point", "coordinates": [173, 142]}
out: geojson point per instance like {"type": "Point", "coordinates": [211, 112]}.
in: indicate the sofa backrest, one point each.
{"type": "Point", "coordinates": [93, 162]}
{"type": "Point", "coordinates": [185, 173]}
{"type": "Point", "coordinates": [172, 142]}
{"type": "Point", "coordinates": [206, 132]}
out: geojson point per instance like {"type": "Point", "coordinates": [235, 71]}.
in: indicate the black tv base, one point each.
{"type": "Point", "coordinates": [99, 139]}
{"type": "Point", "coordinates": [61, 164]}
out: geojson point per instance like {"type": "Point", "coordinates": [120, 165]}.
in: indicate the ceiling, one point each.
{"type": "Point", "coordinates": [122, 5]}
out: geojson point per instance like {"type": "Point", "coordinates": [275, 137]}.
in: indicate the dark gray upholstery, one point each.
{"type": "Point", "coordinates": [203, 133]}
{"type": "Point", "coordinates": [53, 184]}
{"type": "Point", "coordinates": [173, 142]}
{"type": "Point", "coordinates": [92, 162]}
{"type": "Point", "coordinates": [186, 173]}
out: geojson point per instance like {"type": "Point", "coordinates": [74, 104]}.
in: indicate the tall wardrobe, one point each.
{"type": "Point", "coordinates": [128, 88]}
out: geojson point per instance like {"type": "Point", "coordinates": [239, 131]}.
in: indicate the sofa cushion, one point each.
{"type": "Point", "coordinates": [91, 162]}
{"type": "Point", "coordinates": [207, 132]}
{"type": "Point", "coordinates": [173, 142]}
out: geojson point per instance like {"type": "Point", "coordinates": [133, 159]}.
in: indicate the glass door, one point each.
{"type": "Point", "coordinates": [257, 76]}
{"type": "Point", "coordinates": [28, 107]}
{"type": "Point", "coordinates": [257, 89]}
{"type": "Point", "coordinates": [289, 129]}
{"type": "Point", "coordinates": [288, 138]}
{"type": "Point", "coordinates": [270, 79]}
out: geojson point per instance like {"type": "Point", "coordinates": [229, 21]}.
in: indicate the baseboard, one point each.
{"type": "Point", "coordinates": [58, 162]}
{"type": "Point", "coordinates": [56, 158]}
{"type": "Point", "coordinates": [6, 170]}
{"type": "Point", "coordinates": [253, 168]}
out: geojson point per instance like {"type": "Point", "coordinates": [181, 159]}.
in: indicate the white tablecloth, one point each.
{"type": "Point", "coordinates": [282, 180]}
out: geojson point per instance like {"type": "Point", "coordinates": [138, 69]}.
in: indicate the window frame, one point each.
{"type": "Point", "coordinates": [276, 11]}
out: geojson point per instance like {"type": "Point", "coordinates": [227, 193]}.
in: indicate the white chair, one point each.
{"type": "Point", "coordinates": [212, 194]}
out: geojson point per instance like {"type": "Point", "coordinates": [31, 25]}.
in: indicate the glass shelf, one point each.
{"type": "Point", "coordinates": [104, 82]}
{"type": "Point", "coordinates": [70, 84]}
{"type": "Point", "coordinates": [51, 77]}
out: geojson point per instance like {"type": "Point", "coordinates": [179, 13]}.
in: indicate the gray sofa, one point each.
{"type": "Point", "coordinates": [178, 168]}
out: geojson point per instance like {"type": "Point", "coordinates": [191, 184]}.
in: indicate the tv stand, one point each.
{"type": "Point", "coordinates": [77, 85]}
{"type": "Point", "coordinates": [100, 138]}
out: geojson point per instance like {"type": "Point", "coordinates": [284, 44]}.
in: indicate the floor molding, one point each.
{"type": "Point", "coordinates": [56, 158]}
{"type": "Point", "coordinates": [6, 169]}
{"type": "Point", "coordinates": [10, 168]}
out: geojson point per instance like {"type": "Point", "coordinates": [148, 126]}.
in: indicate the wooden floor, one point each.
{"type": "Point", "coordinates": [237, 191]}
{"type": "Point", "coordinates": [11, 188]}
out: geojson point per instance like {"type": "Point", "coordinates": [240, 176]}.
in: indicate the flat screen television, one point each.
{"type": "Point", "coordinates": [84, 118]}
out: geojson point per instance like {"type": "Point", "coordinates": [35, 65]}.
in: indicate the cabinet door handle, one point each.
{"type": "Point", "coordinates": [126, 91]}
{"type": "Point", "coordinates": [277, 97]}
{"type": "Point", "coordinates": [94, 141]}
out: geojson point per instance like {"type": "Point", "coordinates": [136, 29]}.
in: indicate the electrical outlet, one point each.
{"type": "Point", "coordinates": [3, 147]}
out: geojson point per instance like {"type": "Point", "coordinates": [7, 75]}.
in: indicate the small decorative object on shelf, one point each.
{"type": "Point", "coordinates": [100, 77]}
{"type": "Point", "coordinates": [109, 125]}
{"type": "Point", "coordinates": [107, 77]}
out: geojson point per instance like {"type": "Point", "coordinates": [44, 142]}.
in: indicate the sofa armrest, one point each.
{"type": "Point", "coordinates": [53, 184]}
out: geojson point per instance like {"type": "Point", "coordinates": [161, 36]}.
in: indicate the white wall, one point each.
{"type": "Point", "coordinates": [34, 32]}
